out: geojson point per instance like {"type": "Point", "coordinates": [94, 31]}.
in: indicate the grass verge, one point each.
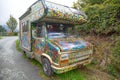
{"type": "Point", "coordinates": [0, 37]}
{"type": "Point", "coordinates": [71, 75]}
{"type": "Point", "coordinates": [18, 46]}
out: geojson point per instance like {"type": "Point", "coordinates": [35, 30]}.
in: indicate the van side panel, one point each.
{"type": "Point", "coordinates": [25, 32]}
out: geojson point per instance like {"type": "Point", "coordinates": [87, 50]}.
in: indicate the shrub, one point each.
{"type": "Point", "coordinates": [12, 34]}
{"type": "Point", "coordinates": [114, 67]}
{"type": "Point", "coordinates": [103, 16]}
{"type": "Point", "coordinates": [15, 33]}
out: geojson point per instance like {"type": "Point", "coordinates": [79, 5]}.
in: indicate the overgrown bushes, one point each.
{"type": "Point", "coordinates": [104, 20]}
{"type": "Point", "coordinates": [103, 16]}
{"type": "Point", "coordinates": [12, 34]}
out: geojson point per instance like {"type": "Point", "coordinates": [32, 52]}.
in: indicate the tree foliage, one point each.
{"type": "Point", "coordinates": [2, 29]}
{"type": "Point", "coordinates": [12, 23]}
{"type": "Point", "coordinates": [103, 16]}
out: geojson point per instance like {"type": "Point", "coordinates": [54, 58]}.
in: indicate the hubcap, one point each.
{"type": "Point", "coordinates": [45, 67]}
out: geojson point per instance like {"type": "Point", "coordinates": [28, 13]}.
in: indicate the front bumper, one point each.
{"type": "Point", "coordinates": [59, 70]}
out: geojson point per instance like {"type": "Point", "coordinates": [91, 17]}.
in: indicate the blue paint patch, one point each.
{"type": "Point", "coordinates": [51, 47]}
{"type": "Point", "coordinates": [72, 45]}
{"type": "Point", "coordinates": [25, 42]}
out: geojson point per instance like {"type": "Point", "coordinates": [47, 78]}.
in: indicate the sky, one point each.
{"type": "Point", "coordinates": [17, 7]}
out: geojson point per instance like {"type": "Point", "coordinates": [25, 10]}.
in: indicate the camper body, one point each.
{"type": "Point", "coordinates": [47, 34]}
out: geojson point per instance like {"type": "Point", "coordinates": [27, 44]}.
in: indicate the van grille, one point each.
{"type": "Point", "coordinates": [79, 56]}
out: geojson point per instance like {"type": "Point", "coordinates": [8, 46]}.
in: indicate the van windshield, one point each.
{"type": "Point", "coordinates": [60, 31]}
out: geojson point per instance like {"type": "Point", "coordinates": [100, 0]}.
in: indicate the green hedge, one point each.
{"type": "Point", "coordinates": [103, 16]}
{"type": "Point", "coordinates": [12, 34]}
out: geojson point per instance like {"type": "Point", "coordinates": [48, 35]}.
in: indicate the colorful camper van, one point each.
{"type": "Point", "coordinates": [47, 34]}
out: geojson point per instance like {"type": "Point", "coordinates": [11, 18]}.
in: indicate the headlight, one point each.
{"type": "Point", "coordinates": [64, 56]}
{"type": "Point", "coordinates": [64, 59]}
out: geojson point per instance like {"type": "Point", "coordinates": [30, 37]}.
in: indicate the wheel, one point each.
{"type": "Point", "coordinates": [29, 55]}
{"type": "Point", "coordinates": [47, 67]}
{"type": "Point", "coordinates": [23, 52]}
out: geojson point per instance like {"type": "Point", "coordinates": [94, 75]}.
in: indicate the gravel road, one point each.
{"type": "Point", "coordinates": [12, 65]}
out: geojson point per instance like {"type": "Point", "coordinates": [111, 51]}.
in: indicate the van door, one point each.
{"type": "Point", "coordinates": [39, 41]}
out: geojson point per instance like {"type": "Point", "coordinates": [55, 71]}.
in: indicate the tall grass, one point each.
{"type": "Point", "coordinates": [114, 67]}
{"type": "Point", "coordinates": [18, 45]}
{"type": "Point", "coordinates": [71, 75]}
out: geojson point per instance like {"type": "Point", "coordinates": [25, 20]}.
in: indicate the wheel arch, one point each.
{"type": "Point", "coordinates": [46, 56]}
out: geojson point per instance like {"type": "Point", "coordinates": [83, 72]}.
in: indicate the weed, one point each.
{"type": "Point", "coordinates": [113, 71]}
{"type": "Point", "coordinates": [18, 45]}
{"type": "Point", "coordinates": [71, 75]}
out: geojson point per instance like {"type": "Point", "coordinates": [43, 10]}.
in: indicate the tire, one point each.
{"type": "Point", "coordinates": [47, 67]}
{"type": "Point", "coordinates": [28, 55]}
{"type": "Point", "coordinates": [23, 52]}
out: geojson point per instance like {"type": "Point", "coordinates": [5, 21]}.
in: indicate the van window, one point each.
{"type": "Point", "coordinates": [25, 26]}
{"type": "Point", "coordinates": [40, 33]}
{"type": "Point", "coordinates": [60, 31]}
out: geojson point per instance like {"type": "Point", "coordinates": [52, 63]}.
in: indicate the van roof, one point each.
{"type": "Point", "coordinates": [54, 12]}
